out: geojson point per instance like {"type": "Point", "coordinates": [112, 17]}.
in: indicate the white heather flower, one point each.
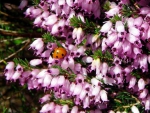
{"type": "Point", "coordinates": [134, 109]}
{"type": "Point", "coordinates": [74, 109]}
{"type": "Point", "coordinates": [119, 27]}
{"type": "Point", "coordinates": [103, 95]}
{"type": "Point", "coordinates": [141, 84]}
{"type": "Point", "coordinates": [106, 27]}
{"type": "Point", "coordinates": [86, 102]}
{"type": "Point", "coordinates": [77, 90]}
{"type": "Point", "coordinates": [134, 31]}
{"type": "Point", "coordinates": [95, 82]}
{"type": "Point", "coordinates": [47, 80]}
{"type": "Point", "coordinates": [35, 62]}
{"type": "Point", "coordinates": [65, 109]}
{"type": "Point", "coordinates": [51, 20]}
{"type": "Point", "coordinates": [143, 94]}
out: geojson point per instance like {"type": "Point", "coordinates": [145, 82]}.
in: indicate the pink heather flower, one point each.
{"type": "Point", "coordinates": [103, 95]}
{"type": "Point", "coordinates": [87, 59]}
{"type": "Point", "coordinates": [134, 109]}
{"type": "Point", "coordinates": [47, 80]}
{"type": "Point", "coordinates": [74, 109]}
{"type": "Point", "coordinates": [77, 90]}
{"type": "Point", "coordinates": [23, 4]}
{"type": "Point", "coordinates": [117, 47]}
{"type": "Point", "coordinates": [45, 98]}
{"type": "Point", "coordinates": [143, 63]}
{"type": "Point", "coordinates": [141, 84]}
{"type": "Point", "coordinates": [72, 87]}
{"type": "Point", "coordinates": [130, 22]}
{"type": "Point", "coordinates": [35, 62]}
{"type": "Point", "coordinates": [35, 12]}
{"type": "Point", "coordinates": [48, 107]}
{"type": "Point", "coordinates": [54, 82]}
{"type": "Point", "coordinates": [80, 78]}
{"type": "Point", "coordinates": [126, 48]}
{"type": "Point", "coordinates": [70, 3]}
{"type": "Point", "coordinates": [95, 82]}
{"type": "Point", "coordinates": [42, 73]}
{"type": "Point", "coordinates": [106, 27]}
{"type": "Point", "coordinates": [147, 103]}
{"type": "Point", "coordinates": [111, 39]}
{"type": "Point", "coordinates": [138, 21]}
{"type": "Point", "coordinates": [51, 20]}
{"type": "Point", "coordinates": [132, 82]}
{"type": "Point", "coordinates": [61, 81]}
{"type": "Point", "coordinates": [68, 62]}
{"type": "Point", "coordinates": [148, 33]}
{"type": "Point", "coordinates": [104, 45]}
{"type": "Point", "coordinates": [95, 91]}
{"type": "Point", "coordinates": [134, 31]}
{"type": "Point", "coordinates": [86, 102]}
{"type": "Point", "coordinates": [113, 11]}
{"type": "Point", "coordinates": [116, 70]}
{"type": "Point", "coordinates": [111, 111]}
{"type": "Point", "coordinates": [119, 27]}
{"type": "Point", "coordinates": [65, 109]}
{"type": "Point", "coordinates": [58, 109]}
{"type": "Point", "coordinates": [53, 71]}
{"type": "Point", "coordinates": [144, 10]}
{"type": "Point", "coordinates": [109, 80]}
{"type": "Point", "coordinates": [143, 94]}
{"type": "Point", "coordinates": [38, 21]}
{"type": "Point", "coordinates": [104, 68]}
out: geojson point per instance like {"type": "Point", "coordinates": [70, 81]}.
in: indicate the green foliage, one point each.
{"type": "Point", "coordinates": [106, 6]}
{"type": "Point", "coordinates": [87, 26]}
{"type": "Point", "coordinates": [23, 63]}
{"type": "Point", "coordinates": [115, 18]}
{"type": "Point", "coordinates": [136, 74]}
{"type": "Point", "coordinates": [124, 101]}
{"type": "Point", "coordinates": [126, 11]}
{"type": "Point", "coordinates": [49, 38]}
{"type": "Point", "coordinates": [106, 56]}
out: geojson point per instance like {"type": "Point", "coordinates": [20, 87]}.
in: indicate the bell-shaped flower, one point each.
{"type": "Point", "coordinates": [130, 22]}
{"type": "Point", "coordinates": [65, 108]}
{"type": "Point", "coordinates": [144, 10]}
{"type": "Point", "coordinates": [134, 31]}
{"type": "Point", "coordinates": [134, 109]}
{"type": "Point", "coordinates": [51, 20]}
{"type": "Point", "coordinates": [144, 62]}
{"type": "Point", "coordinates": [143, 94]}
{"type": "Point", "coordinates": [86, 102]}
{"type": "Point", "coordinates": [61, 81]}
{"type": "Point", "coordinates": [57, 109]}
{"type": "Point", "coordinates": [54, 82]}
{"type": "Point", "coordinates": [68, 62]}
{"type": "Point", "coordinates": [95, 82]}
{"type": "Point", "coordinates": [53, 71]}
{"type": "Point", "coordinates": [106, 27]}
{"type": "Point", "coordinates": [77, 89]}
{"type": "Point", "coordinates": [132, 82]}
{"type": "Point", "coordinates": [147, 103]}
{"type": "Point", "coordinates": [119, 27]}
{"type": "Point", "coordinates": [47, 80]}
{"type": "Point", "coordinates": [103, 95]}
{"type": "Point", "coordinates": [141, 84]}
{"type": "Point", "coordinates": [35, 62]}
{"type": "Point", "coordinates": [45, 98]}
{"type": "Point", "coordinates": [74, 109]}
{"type": "Point", "coordinates": [23, 4]}
{"type": "Point", "coordinates": [95, 91]}
{"type": "Point", "coordinates": [138, 21]}
{"type": "Point", "coordinates": [111, 39]}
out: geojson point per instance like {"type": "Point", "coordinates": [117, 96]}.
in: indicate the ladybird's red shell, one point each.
{"type": "Point", "coordinates": [59, 52]}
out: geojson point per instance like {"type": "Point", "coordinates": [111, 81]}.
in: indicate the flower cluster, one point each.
{"type": "Point", "coordinates": [114, 56]}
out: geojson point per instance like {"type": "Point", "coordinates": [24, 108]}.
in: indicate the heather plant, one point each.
{"type": "Point", "coordinates": [92, 58]}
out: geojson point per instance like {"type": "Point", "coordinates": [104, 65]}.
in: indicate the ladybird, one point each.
{"type": "Point", "coordinates": [59, 52]}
